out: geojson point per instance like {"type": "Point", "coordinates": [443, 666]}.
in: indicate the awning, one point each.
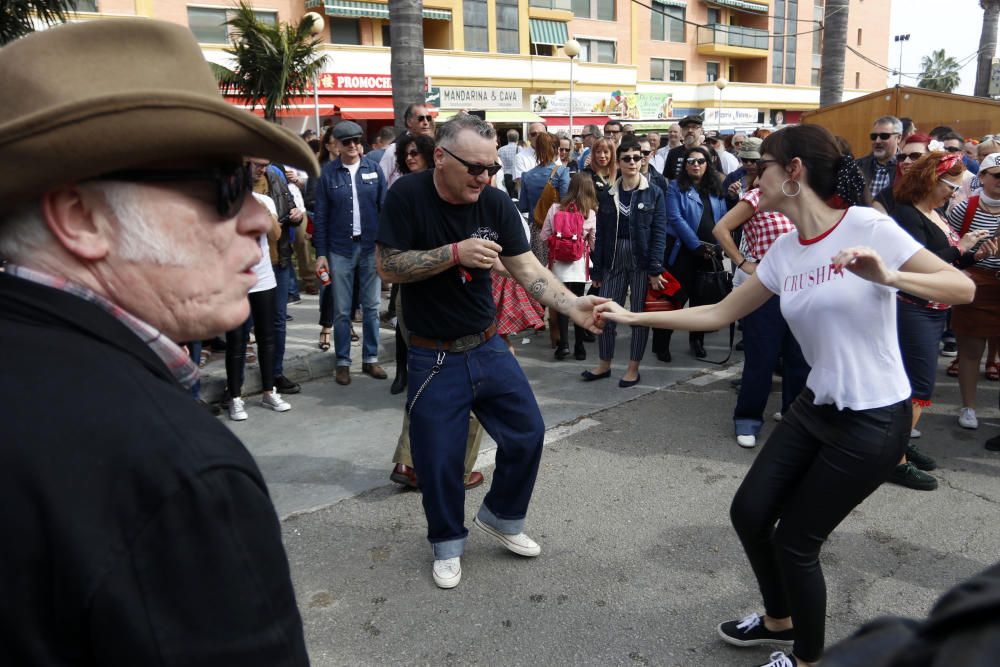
{"type": "Point", "coordinates": [741, 4]}
{"type": "Point", "coordinates": [547, 32]}
{"type": "Point", "coordinates": [372, 10]}
{"type": "Point", "coordinates": [498, 116]}
{"type": "Point", "coordinates": [362, 107]}
{"type": "Point", "coordinates": [673, 3]}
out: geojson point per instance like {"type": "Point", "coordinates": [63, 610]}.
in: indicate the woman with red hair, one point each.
{"type": "Point", "coordinates": [920, 194]}
{"type": "Point", "coordinates": [914, 148]}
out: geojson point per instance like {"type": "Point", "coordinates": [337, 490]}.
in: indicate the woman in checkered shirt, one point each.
{"type": "Point", "coordinates": [766, 336]}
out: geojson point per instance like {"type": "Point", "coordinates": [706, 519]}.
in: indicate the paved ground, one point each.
{"type": "Point", "coordinates": [639, 561]}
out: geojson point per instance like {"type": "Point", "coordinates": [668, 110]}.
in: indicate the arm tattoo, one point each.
{"type": "Point", "coordinates": [537, 288]}
{"type": "Point", "coordinates": [413, 265]}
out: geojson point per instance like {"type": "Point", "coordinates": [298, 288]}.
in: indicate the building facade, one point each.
{"type": "Point", "coordinates": [646, 61]}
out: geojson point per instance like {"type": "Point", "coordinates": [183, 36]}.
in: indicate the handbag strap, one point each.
{"type": "Point", "coordinates": [970, 213]}
{"type": "Point", "coordinates": [732, 338]}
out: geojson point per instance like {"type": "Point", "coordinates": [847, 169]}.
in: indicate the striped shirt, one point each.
{"type": "Point", "coordinates": [981, 220]}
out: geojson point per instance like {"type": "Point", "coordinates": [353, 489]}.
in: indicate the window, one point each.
{"type": "Point", "coordinates": [344, 31]}
{"type": "Point", "coordinates": [386, 39]}
{"type": "Point", "coordinates": [711, 72]}
{"type": "Point", "coordinates": [83, 5]}
{"type": "Point", "coordinates": [476, 37]}
{"type": "Point", "coordinates": [791, 27]}
{"type": "Point", "coordinates": [714, 16]}
{"type": "Point", "coordinates": [566, 5]}
{"type": "Point", "coordinates": [209, 25]}
{"type": "Point", "coordinates": [507, 39]}
{"type": "Point", "coordinates": [859, 36]}
{"type": "Point", "coordinates": [814, 78]}
{"type": "Point", "coordinates": [602, 10]}
{"type": "Point", "coordinates": [668, 26]}
{"type": "Point", "coordinates": [790, 68]}
{"type": "Point", "coordinates": [661, 69]}
{"type": "Point", "coordinates": [778, 52]}
{"type": "Point", "coordinates": [597, 51]}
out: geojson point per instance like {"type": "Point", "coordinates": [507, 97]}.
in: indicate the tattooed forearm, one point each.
{"type": "Point", "coordinates": [412, 266]}
{"type": "Point", "coordinates": [537, 288]}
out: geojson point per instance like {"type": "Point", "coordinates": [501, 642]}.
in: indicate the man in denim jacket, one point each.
{"type": "Point", "coordinates": [348, 202]}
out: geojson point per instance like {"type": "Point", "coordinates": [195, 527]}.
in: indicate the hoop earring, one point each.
{"type": "Point", "coordinates": [798, 188]}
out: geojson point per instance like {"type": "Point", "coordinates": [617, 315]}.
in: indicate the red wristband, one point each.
{"type": "Point", "coordinates": [454, 254]}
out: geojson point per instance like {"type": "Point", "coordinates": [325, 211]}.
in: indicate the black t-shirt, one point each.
{"type": "Point", "coordinates": [707, 222]}
{"type": "Point", "coordinates": [624, 213]}
{"type": "Point", "coordinates": [448, 305]}
{"type": "Point", "coordinates": [674, 162]}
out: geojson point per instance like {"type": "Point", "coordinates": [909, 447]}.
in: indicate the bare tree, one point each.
{"type": "Point", "coordinates": [406, 37]}
{"type": "Point", "coordinates": [831, 80]}
{"type": "Point", "coordinates": [987, 46]}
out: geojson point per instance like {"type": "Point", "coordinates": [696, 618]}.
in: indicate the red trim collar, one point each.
{"type": "Point", "coordinates": [817, 239]}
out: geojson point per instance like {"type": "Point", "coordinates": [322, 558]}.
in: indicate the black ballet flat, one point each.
{"type": "Point", "coordinates": [590, 377]}
{"type": "Point", "coordinates": [625, 384]}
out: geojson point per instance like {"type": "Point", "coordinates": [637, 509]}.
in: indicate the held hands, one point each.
{"type": "Point", "coordinates": [478, 253]}
{"type": "Point", "coordinates": [584, 312]}
{"type": "Point", "coordinates": [970, 240]}
{"type": "Point", "coordinates": [609, 310]}
{"type": "Point", "coordinates": [865, 263]}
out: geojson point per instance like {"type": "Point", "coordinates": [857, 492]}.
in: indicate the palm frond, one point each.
{"type": "Point", "coordinates": [17, 16]}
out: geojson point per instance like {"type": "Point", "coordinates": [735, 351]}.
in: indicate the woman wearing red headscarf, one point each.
{"type": "Point", "coordinates": [914, 148]}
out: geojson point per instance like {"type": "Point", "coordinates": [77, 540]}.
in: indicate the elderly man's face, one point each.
{"type": "Point", "coordinates": [885, 143]}
{"type": "Point", "coordinates": [199, 288]}
{"type": "Point", "coordinates": [654, 140]}
{"type": "Point", "coordinates": [452, 165]}
{"type": "Point", "coordinates": [674, 134]}
{"type": "Point", "coordinates": [421, 121]}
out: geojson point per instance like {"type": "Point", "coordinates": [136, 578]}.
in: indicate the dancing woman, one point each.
{"type": "Point", "coordinates": [837, 276]}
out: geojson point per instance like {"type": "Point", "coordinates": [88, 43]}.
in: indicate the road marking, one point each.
{"type": "Point", "coordinates": [715, 376]}
{"type": "Point", "coordinates": [488, 455]}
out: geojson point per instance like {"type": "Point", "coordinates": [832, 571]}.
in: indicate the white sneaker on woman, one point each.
{"type": "Point", "coordinates": [236, 411]}
{"type": "Point", "coordinates": [746, 441]}
{"type": "Point", "coordinates": [275, 402]}
{"type": "Point", "coordinates": [967, 418]}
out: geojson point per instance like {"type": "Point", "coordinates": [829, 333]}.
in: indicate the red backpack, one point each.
{"type": "Point", "coordinates": [567, 243]}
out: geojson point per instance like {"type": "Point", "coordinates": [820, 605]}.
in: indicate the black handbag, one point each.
{"type": "Point", "coordinates": [712, 286]}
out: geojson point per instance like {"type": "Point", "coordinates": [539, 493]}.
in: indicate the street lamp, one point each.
{"type": "Point", "coordinates": [572, 49]}
{"type": "Point", "coordinates": [900, 39]}
{"type": "Point", "coordinates": [315, 29]}
{"type": "Point", "coordinates": [721, 84]}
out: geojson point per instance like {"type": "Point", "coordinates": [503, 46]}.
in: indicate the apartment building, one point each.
{"type": "Point", "coordinates": [644, 60]}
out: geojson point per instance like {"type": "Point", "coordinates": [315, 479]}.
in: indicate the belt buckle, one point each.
{"type": "Point", "coordinates": [466, 342]}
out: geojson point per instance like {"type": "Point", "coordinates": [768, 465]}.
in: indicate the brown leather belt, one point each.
{"type": "Point", "coordinates": [462, 344]}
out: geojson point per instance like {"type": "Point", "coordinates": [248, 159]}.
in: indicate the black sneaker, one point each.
{"type": "Point", "coordinates": [751, 632]}
{"type": "Point", "coordinates": [779, 659]}
{"type": "Point", "coordinates": [906, 474]}
{"type": "Point", "coordinates": [919, 459]}
{"type": "Point", "coordinates": [949, 349]}
{"type": "Point", "coordinates": [286, 386]}
{"type": "Point", "coordinates": [993, 444]}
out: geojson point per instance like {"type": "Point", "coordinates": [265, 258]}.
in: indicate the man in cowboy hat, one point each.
{"type": "Point", "coordinates": [144, 531]}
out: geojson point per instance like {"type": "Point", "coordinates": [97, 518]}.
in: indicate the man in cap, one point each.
{"type": "Point", "coordinates": [418, 120]}
{"type": "Point", "coordinates": [737, 183]}
{"type": "Point", "coordinates": [348, 201]}
{"type": "Point", "coordinates": [144, 530]}
{"type": "Point", "coordinates": [691, 136]}
{"type": "Point", "coordinates": [442, 231]}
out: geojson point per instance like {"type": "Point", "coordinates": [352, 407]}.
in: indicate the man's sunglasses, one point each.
{"type": "Point", "coordinates": [232, 184]}
{"type": "Point", "coordinates": [884, 136]}
{"type": "Point", "coordinates": [696, 160]}
{"type": "Point", "coordinates": [953, 149]}
{"type": "Point", "coordinates": [563, 150]}
{"type": "Point", "coordinates": [912, 157]}
{"type": "Point", "coordinates": [350, 141]}
{"type": "Point", "coordinates": [612, 132]}
{"type": "Point", "coordinates": [425, 119]}
{"type": "Point", "coordinates": [645, 153]}
{"type": "Point", "coordinates": [631, 158]}
{"type": "Point", "coordinates": [473, 168]}
{"type": "Point", "coordinates": [748, 160]}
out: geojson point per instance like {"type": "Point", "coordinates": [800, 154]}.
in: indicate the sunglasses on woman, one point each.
{"type": "Point", "coordinates": [412, 153]}
{"type": "Point", "coordinates": [912, 157]}
{"type": "Point", "coordinates": [232, 184]}
{"type": "Point", "coordinates": [473, 168]}
{"type": "Point", "coordinates": [954, 188]}
{"type": "Point", "coordinates": [696, 160]}
{"type": "Point", "coordinates": [631, 158]}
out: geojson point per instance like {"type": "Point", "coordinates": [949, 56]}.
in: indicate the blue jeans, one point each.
{"type": "Point", "coordinates": [920, 330]}
{"type": "Point", "coordinates": [343, 269]}
{"type": "Point", "coordinates": [488, 381]}
{"type": "Point", "coordinates": [766, 337]}
{"type": "Point", "coordinates": [284, 277]}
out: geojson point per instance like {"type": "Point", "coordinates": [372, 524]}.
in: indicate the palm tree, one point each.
{"type": "Point", "coordinates": [939, 72]}
{"type": "Point", "coordinates": [831, 78]}
{"type": "Point", "coordinates": [406, 37]}
{"type": "Point", "coordinates": [987, 46]}
{"type": "Point", "coordinates": [17, 16]}
{"type": "Point", "coordinates": [274, 62]}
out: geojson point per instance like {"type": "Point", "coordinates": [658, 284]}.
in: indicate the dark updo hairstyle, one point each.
{"type": "Point", "coordinates": [831, 173]}
{"type": "Point", "coordinates": [711, 180]}
{"type": "Point", "coordinates": [424, 146]}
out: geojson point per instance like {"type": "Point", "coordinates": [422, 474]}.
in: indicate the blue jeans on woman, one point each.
{"type": "Point", "coordinates": [766, 337]}
{"type": "Point", "coordinates": [343, 270]}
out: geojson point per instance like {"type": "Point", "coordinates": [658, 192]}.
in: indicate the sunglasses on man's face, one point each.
{"type": "Point", "coordinates": [350, 141]}
{"type": "Point", "coordinates": [563, 150]}
{"type": "Point", "coordinates": [737, 144]}
{"type": "Point", "coordinates": [910, 157]}
{"type": "Point", "coordinates": [473, 168]}
{"type": "Point", "coordinates": [612, 132]}
{"type": "Point", "coordinates": [424, 119]}
{"type": "Point", "coordinates": [994, 174]}
{"type": "Point", "coordinates": [953, 149]}
{"type": "Point", "coordinates": [232, 184]}
{"type": "Point", "coordinates": [696, 160]}
{"type": "Point", "coordinates": [884, 136]}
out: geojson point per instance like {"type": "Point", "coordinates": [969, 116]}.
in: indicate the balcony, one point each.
{"type": "Point", "coordinates": [733, 41]}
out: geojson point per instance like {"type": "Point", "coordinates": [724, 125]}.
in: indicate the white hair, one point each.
{"type": "Point", "coordinates": [23, 232]}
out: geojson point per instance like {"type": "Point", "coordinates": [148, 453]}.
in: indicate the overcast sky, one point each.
{"type": "Point", "coordinates": [954, 25]}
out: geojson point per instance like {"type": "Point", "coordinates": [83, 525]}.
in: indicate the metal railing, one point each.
{"type": "Point", "coordinates": [733, 35]}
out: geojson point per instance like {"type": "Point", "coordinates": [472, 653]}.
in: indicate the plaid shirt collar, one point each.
{"type": "Point", "coordinates": [173, 357]}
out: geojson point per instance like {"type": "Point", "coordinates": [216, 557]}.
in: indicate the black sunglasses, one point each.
{"type": "Point", "coordinates": [953, 149]}
{"type": "Point", "coordinates": [762, 165]}
{"type": "Point", "coordinates": [412, 153]}
{"type": "Point", "coordinates": [350, 141]}
{"type": "Point", "coordinates": [912, 157]}
{"type": "Point", "coordinates": [561, 149]}
{"type": "Point", "coordinates": [748, 160]}
{"type": "Point", "coordinates": [612, 132]}
{"type": "Point", "coordinates": [645, 153]}
{"type": "Point", "coordinates": [884, 136]}
{"type": "Point", "coordinates": [631, 158]}
{"type": "Point", "coordinates": [473, 168]}
{"type": "Point", "coordinates": [232, 184]}
{"type": "Point", "coordinates": [425, 119]}
{"type": "Point", "coordinates": [696, 160]}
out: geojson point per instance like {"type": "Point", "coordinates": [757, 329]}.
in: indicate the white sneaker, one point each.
{"type": "Point", "coordinates": [236, 411]}
{"type": "Point", "coordinates": [520, 544]}
{"type": "Point", "coordinates": [746, 441]}
{"type": "Point", "coordinates": [448, 572]}
{"type": "Point", "coordinates": [967, 418]}
{"type": "Point", "coordinates": [777, 416]}
{"type": "Point", "coordinates": [914, 434]}
{"type": "Point", "coordinates": [780, 659]}
{"type": "Point", "coordinates": [275, 402]}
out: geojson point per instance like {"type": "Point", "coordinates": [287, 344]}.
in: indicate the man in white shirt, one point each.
{"type": "Point", "coordinates": [507, 155]}
{"type": "Point", "coordinates": [727, 160]}
{"type": "Point", "coordinates": [525, 160]}
{"type": "Point", "coordinates": [673, 141]}
{"type": "Point", "coordinates": [418, 120]}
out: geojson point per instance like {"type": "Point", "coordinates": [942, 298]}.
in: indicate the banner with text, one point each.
{"type": "Point", "coordinates": [460, 97]}
{"type": "Point", "coordinates": [729, 117]}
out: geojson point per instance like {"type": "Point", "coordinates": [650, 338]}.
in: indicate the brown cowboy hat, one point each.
{"type": "Point", "coordinates": [91, 98]}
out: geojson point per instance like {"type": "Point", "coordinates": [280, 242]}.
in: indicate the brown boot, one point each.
{"type": "Point", "coordinates": [343, 375]}
{"type": "Point", "coordinates": [374, 370]}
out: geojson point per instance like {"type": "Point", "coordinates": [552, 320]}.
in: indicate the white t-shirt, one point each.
{"type": "Point", "coordinates": [356, 211]}
{"type": "Point", "coordinates": [524, 161]}
{"type": "Point", "coordinates": [263, 268]}
{"type": "Point", "coordinates": [845, 324]}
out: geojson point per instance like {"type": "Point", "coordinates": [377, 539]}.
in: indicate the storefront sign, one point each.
{"type": "Point", "coordinates": [456, 97]}
{"type": "Point", "coordinates": [616, 103]}
{"type": "Point", "coordinates": [331, 82]}
{"type": "Point", "coordinates": [729, 117]}
{"type": "Point", "coordinates": [656, 105]}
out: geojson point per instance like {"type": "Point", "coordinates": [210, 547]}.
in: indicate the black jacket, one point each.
{"type": "Point", "coordinates": [140, 531]}
{"type": "Point", "coordinates": [867, 166]}
{"type": "Point", "coordinates": [647, 230]}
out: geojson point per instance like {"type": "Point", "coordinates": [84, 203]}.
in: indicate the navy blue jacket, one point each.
{"type": "Point", "coordinates": [333, 223]}
{"type": "Point", "coordinates": [684, 211]}
{"type": "Point", "coordinates": [647, 230]}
